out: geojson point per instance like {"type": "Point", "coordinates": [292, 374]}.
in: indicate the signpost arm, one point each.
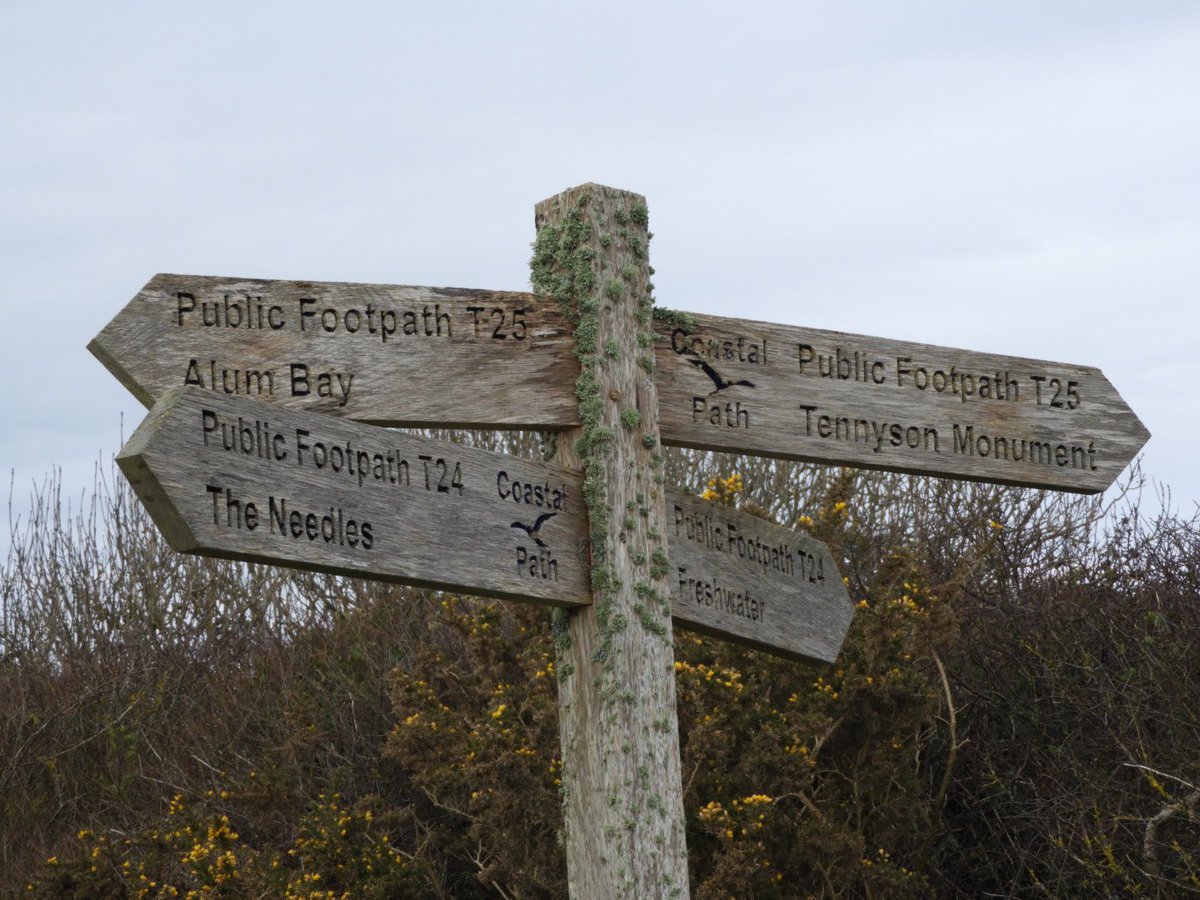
{"type": "Point", "coordinates": [623, 794]}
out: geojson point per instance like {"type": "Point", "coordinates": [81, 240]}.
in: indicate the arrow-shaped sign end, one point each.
{"type": "Point", "coordinates": [134, 465]}
{"type": "Point", "coordinates": [105, 346]}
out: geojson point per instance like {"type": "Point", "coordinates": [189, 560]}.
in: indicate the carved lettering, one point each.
{"type": "Point", "coordinates": [541, 496]}
{"type": "Point", "coordinates": [248, 437]}
{"type": "Point", "coordinates": [841, 365]}
{"type": "Point", "coordinates": [968, 442]}
{"type": "Point", "coordinates": [238, 513]}
{"type": "Point", "coordinates": [993, 386]}
{"type": "Point", "coordinates": [499, 323]}
{"type": "Point", "coordinates": [538, 563]}
{"type": "Point", "coordinates": [332, 527]}
{"type": "Point", "coordinates": [712, 593]}
{"type": "Point", "coordinates": [1058, 392]}
{"type": "Point", "coordinates": [732, 414]}
{"type": "Point", "coordinates": [441, 476]}
{"type": "Point", "coordinates": [380, 322]}
{"type": "Point", "coordinates": [360, 463]}
{"type": "Point", "coordinates": [876, 435]}
{"type": "Point", "coordinates": [231, 311]}
{"type": "Point", "coordinates": [736, 349]}
{"type": "Point", "coordinates": [328, 385]}
{"type": "Point", "coordinates": [230, 380]}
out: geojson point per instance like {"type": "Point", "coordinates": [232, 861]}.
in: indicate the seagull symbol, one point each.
{"type": "Point", "coordinates": [532, 530]}
{"type": "Point", "coordinates": [720, 382]}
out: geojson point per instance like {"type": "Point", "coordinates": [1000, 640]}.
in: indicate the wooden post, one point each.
{"type": "Point", "coordinates": [623, 794]}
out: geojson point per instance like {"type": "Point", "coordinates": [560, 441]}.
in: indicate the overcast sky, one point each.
{"type": "Point", "coordinates": [1016, 177]}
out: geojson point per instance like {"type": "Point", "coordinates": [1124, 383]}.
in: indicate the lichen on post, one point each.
{"type": "Point", "coordinates": [623, 795]}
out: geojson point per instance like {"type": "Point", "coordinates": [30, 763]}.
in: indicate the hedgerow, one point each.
{"type": "Point", "coordinates": [1014, 712]}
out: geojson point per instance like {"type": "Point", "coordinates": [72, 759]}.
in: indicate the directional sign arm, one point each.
{"type": "Point", "coordinates": [828, 397]}
{"type": "Point", "coordinates": [744, 579]}
{"type": "Point", "coordinates": [386, 354]}
{"type": "Point", "coordinates": [450, 357]}
{"type": "Point", "coordinates": [241, 479]}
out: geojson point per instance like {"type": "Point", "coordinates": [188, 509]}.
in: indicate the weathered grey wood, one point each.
{"type": "Point", "coordinates": [469, 376]}
{"type": "Point", "coordinates": [737, 577]}
{"type": "Point", "coordinates": [824, 396]}
{"type": "Point", "coordinates": [242, 479]}
{"type": "Point", "coordinates": [461, 541]}
{"type": "Point", "coordinates": [623, 792]}
{"type": "Point", "coordinates": [386, 354]}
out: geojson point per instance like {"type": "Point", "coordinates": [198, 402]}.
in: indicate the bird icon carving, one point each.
{"type": "Point", "coordinates": [713, 374]}
{"type": "Point", "coordinates": [532, 530]}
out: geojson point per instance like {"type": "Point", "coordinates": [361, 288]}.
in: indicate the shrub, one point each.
{"type": "Point", "coordinates": [1014, 712]}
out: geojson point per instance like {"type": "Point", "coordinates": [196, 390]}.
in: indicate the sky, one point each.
{"type": "Point", "coordinates": [1016, 178]}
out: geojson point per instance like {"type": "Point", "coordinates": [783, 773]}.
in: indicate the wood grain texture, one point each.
{"type": "Point", "coordinates": [623, 791]}
{"type": "Point", "coordinates": [242, 479]}
{"type": "Point", "coordinates": [170, 467]}
{"type": "Point", "coordinates": [828, 397]}
{"type": "Point", "coordinates": [742, 579]}
{"type": "Point", "coordinates": [385, 354]}
{"type": "Point", "coordinates": [504, 360]}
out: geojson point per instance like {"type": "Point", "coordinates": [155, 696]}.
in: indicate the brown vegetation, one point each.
{"type": "Point", "coordinates": [1015, 713]}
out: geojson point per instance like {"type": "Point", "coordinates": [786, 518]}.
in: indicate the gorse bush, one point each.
{"type": "Point", "coordinates": [131, 674]}
{"type": "Point", "coordinates": [1015, 712]}
{"type": "Point", "coordinates": [337, 852]}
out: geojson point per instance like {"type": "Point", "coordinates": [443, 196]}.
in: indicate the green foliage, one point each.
{"type": "Point", "coordinates": [674, 317]}
{"type": "Point", "coordinates": [196, 851]}
{"type": "Point", "coordinates": [477, 726]}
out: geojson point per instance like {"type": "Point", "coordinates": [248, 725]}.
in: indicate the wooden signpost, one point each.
{"type": "Point", "coordinates": [824, 396]}
{"type": "Point", "coordinates": [256, 449]}
{"type": "Point", "coordinates": [624, 828]}
{"type": "Point", "coordinates": [385, 354]}
{"type": "Point", "coordinates": [737, 577]}
{"type": "Point", "coordinates": [241, 479]}
{"type": "Point", "coordinates": [238, 478]}
{"type": "Point", "coordinates": [413, 356]}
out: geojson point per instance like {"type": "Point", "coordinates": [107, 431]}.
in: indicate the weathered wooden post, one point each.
{"type": "Point", "coordinates": [293, 484]}
{"type": "Point", "coordinates": [620, 736]}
